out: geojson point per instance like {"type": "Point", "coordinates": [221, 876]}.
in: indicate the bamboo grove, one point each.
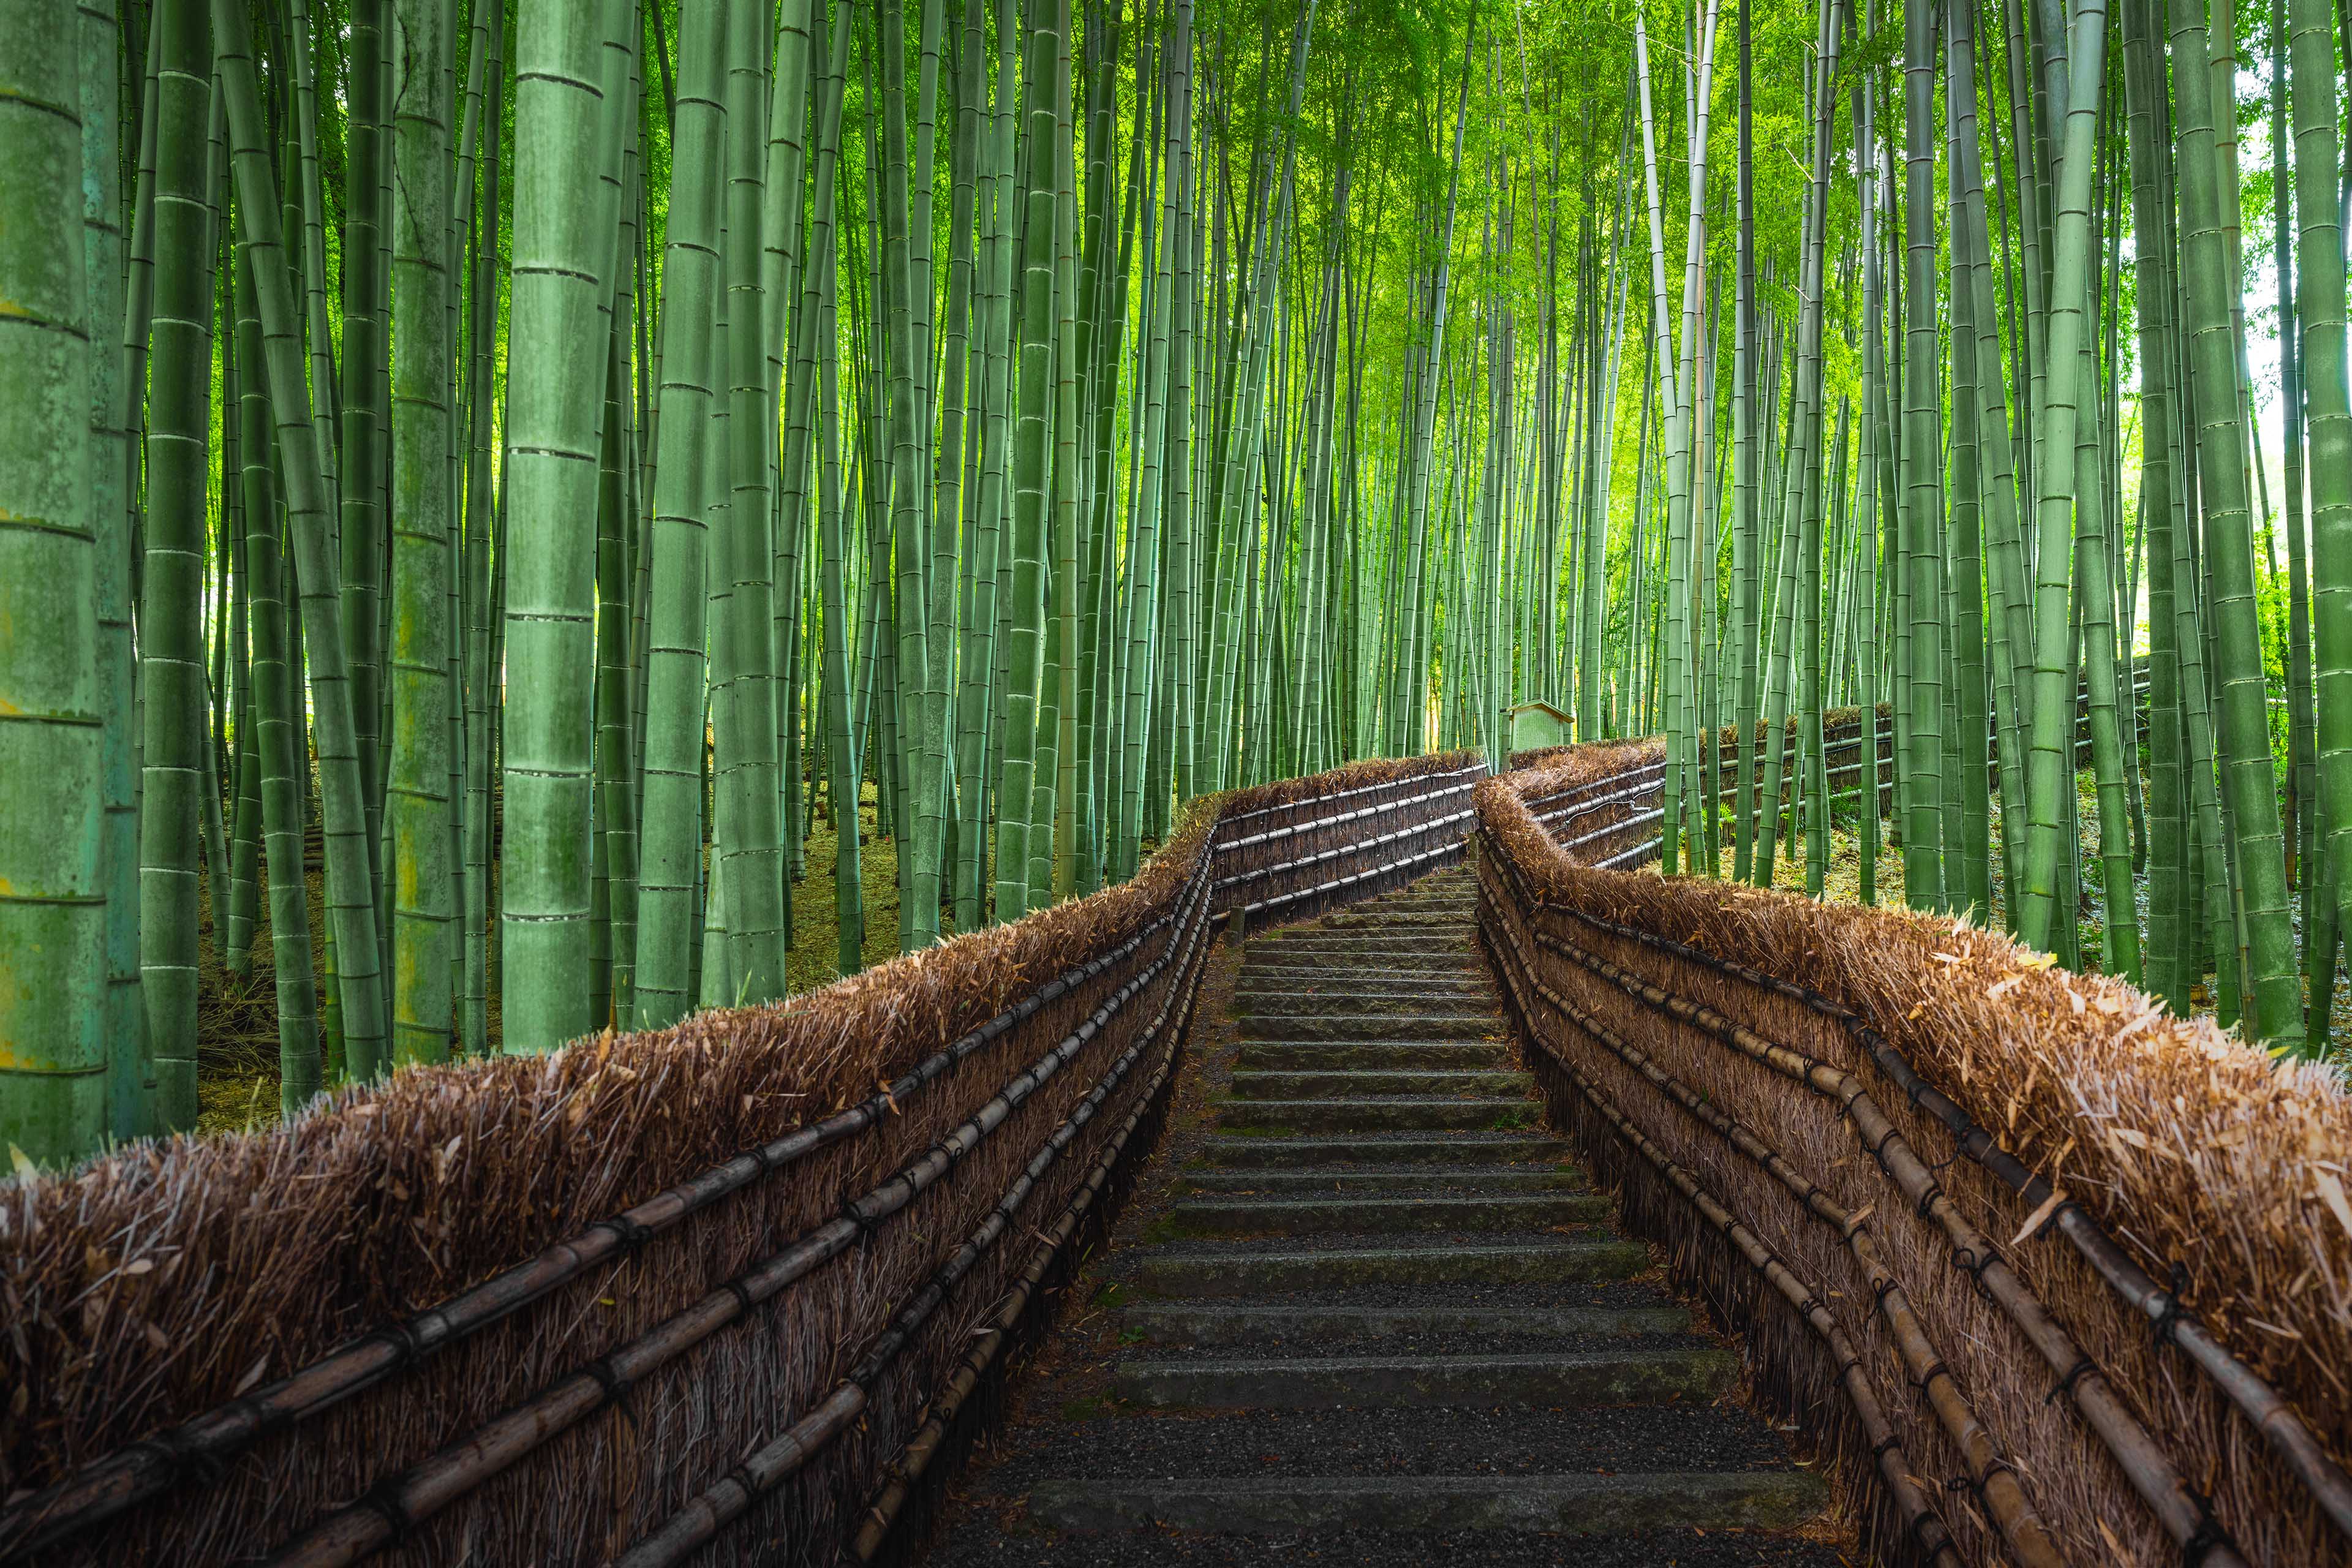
{"type": "Point", "coordinates": [538, 464]}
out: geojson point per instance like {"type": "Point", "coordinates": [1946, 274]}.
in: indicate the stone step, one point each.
{"type": "Point", "coordinates": [1497, 1150]}
{"type": "Point", "coordinates": [1222, 1323]}
{"type": "Point", "coordinates": [1351, 983]}
{"type": "Point", "coordinates": [1392, 1115]}
{"type": "Point", "coordinates": [1264, 969]}
{"type": "Point", "coordinates": [1289, 1000]}
{"type": "Point", "coordinates": [1547, 1261]}
{"type": "Point", "coordinates": [1339, 1382]}
{"type": "Point", "coordinates": [1362, 946]}
{"type": "Point", "coordinates": [1407, 1181]}
{"type": "Point", "coordinates": [1337, 957]}
{"type": "Point", "coordinates": [1356, 1215]}
{"type": "Point", "coordinates": [1568, 1505]}
{"type": "Point", "coordinates": [1359, 1083]}
{"type": "Point", "coordinates": [1339, 1055]}
{"type": "Point", "coordinates": [1396, 920]}
{"type": "Point", "coordinates": [1335, 961]}
{"type": "Point", "coordinates": [1370, 1026]}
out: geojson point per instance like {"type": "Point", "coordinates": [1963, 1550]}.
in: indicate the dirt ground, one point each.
{"type": "Point", "coordinates": [236, 1061]}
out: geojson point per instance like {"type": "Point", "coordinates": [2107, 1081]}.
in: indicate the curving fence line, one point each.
{"type": "Point", "coordinates": [737, 1291]}
{"type": "Point", "coordinates": [2051, 1277]}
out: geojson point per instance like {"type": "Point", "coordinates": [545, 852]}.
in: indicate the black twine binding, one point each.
{"type": "Point", "coordinates": [2166, 1322]}
{"type": "Point", "coordinates": [1975, 1269]}
{"type": "Point", "coordinates": [383, 1500]}
{"type": "Point", "coordinates": [406, 1349]}
{"type": "Point", "coordinates": [2065, 1385]}
{"type": "Point", "coordinates": [183, 1457]}
{"type": "Point", "coordinates": [2208, 1534]}
{"type": "Point", "coordinates": [616, 1387]}
{"type": "Point", "coordinates": [629, 1233]}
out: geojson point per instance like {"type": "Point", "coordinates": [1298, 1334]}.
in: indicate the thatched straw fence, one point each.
{"type": "Point", "coordinates": [738, 1290]}
{"type": "Point", "coordinates": [2047, 1274]}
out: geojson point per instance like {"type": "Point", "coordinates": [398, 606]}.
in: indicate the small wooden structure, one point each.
{"type": "Point", "coordinates": [1535, 724]}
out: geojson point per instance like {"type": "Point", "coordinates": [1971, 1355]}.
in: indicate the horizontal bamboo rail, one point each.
{"type": "Point", "coordinates": [1512, 905]}
{"type": "Point", "coordinates": [1923, 1525]}
{"type": "Point", "coordinates": [2172, 1318]}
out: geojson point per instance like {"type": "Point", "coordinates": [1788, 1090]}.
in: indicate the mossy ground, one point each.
{"type": "Point", "coordinates": [236, 1054]}
{"type": "Point", "coordinates": [237, 1059]}
{"type": "Point", "coordinates": [1841, 881]}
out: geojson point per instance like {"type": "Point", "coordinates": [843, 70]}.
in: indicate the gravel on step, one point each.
{"type": "Point", "coordinates": [1358, 1241]}
{"type": "Point", "coordinates": [1451, 1440]}
{"type": "Point", "coordinates": [1597, 1293]}
{"type": "Point", "coordinates": [1426, 1345]}
{"type": "Point", "coordinates": [1388, 1549]}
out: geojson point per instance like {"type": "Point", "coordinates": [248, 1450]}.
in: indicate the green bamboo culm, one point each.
{"type": "Point", "coordinates": [53, 1090]}
{"type": "Point", "coordinates": [179, 433]}
{"type": "Point", "coordinates": [668, 928]}
{"type": "Point", "coordinates": [350, 893]}
{"type": "Point", "coordinates": [417, 797]}
{"type": "Point", "coordinates": [561, 251]}
{"type": "Point", "coordinates": [2320, 312]}
{"type": "Point", "coordinates": [745, 727]}
{"type": "Point", "coordinates": [276, 719]}
{"type": "Point", "coordinates": [2249, 777]}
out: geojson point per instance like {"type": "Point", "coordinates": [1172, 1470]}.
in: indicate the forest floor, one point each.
{"type": "Point", "coordinates": [1841, 881]}
{"type": "Point", "coordinates": [237, 1065]}
{"type": "Point", "coordinates": [236, 1028]}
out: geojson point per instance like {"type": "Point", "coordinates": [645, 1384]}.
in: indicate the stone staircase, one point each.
{"type": "Point", "coordinates": [1378, 1317]}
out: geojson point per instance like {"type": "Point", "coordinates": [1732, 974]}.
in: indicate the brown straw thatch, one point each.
{"type": "Point", "coordinates": [2215, 1172]}
{"type": "Point", "coordinates": [158, 1282]}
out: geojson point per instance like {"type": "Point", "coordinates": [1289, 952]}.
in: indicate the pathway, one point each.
{"type": "Point", "coordinates": [1377, 1317]}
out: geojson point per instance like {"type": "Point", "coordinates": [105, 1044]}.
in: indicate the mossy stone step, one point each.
{"type": "Point", "coordinates": [1504, 1151]}
{"type": "Point", "coordinates": [1563, 1505]}
{"type": "Point", "coordinates": [1423, 1024]}
{"type": "Point", "coordinates": [1402, 1181]}
{"type": "Point", "coordinates": [1371, 918]}
{"type": "Point", "coordinates": [1334, 1383]}
{"type": "Point", "coordinates": [1264, 967]}
{"type": "Point", "coordinates": [1464, 980]}
{"type": "Point", "coordinates": [1357, 1082]}
{"type": "Point", "coordinates": [1332, 1056]}
{"type": "Point", "coordinates": [1361, 945]}
{"type": "Point", "coordinates": [1210, 1323]}
{"type": "Point", "coordinates": [1172, 1272]}
{"type": "Point", "coordinates": [1337, 1000]}
{"type": "Point", "coordinates": [1383, 1115]}
{"type": "Point", "coordinates": [1355, 1213]}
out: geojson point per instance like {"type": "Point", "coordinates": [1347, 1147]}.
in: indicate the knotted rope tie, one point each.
{"type": "Point", "coordinates": [383, 1500]}
{"type": "Point", "coordinates": [2065, 1385]}
{"type": "Point", "coordinates": [2209, 1533]}
{"type": "Point", "coordinates": [2167, 1321]}
{"type": "Point", "coordinates": [617, 1388]}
